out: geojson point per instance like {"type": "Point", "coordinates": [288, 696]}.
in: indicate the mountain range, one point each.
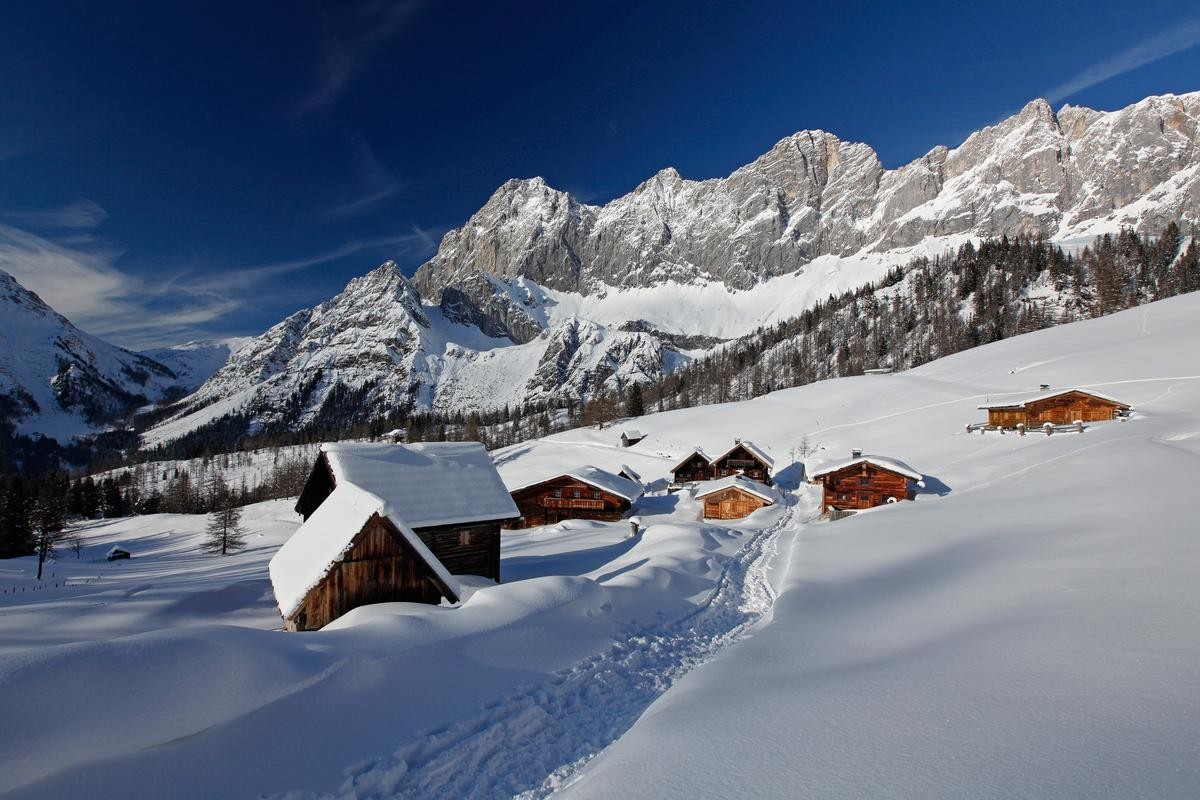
{"type": "Point", "coordinates": [542, 298]}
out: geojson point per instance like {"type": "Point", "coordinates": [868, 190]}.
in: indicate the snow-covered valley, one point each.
{"type": "Point", "coordinates": [1026, 627]}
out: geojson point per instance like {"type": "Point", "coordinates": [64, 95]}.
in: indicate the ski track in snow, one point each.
{"type": "Point", "coordinates": [535, 741]}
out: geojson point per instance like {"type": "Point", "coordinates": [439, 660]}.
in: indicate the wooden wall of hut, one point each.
{"type": "Point", "coordinates": [731, 503]}
{"type": "Point", "coordinates": [863, 485]}
{"type": "Point", "coordinates": [380, 567]}
{"type": "Point", "coordinates": [564, 498]}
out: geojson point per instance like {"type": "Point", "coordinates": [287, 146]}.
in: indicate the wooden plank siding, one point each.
{"type": "Point", "coordinates": [466, 549]}
{"type": "Point", "coordinates": [379, 567]}
{"type": "Point", "coordinates": [863, 485]}
{"type": "Point", "coordinates": [1059, 410]}
{"type": "Point", "coordinates": [740, 460]}
{"type": "Point", "coordinates": [731, 503]}
{"type": "Point", "coordinates": [693, 470]}
{"type": "Point", "coordinates": [563, 498]}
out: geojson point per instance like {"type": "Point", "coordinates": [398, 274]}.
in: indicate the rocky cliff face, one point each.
{"type": "Point", "coordinates": [495, 316]}
{"type": "Point", "coordinates": [1036, 173]}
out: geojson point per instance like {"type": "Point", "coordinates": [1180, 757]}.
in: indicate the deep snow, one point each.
{"type": "Point", "coordinates": [1026, 628]}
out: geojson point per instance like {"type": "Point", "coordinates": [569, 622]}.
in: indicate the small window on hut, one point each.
{"type": "Point", "coordinates": [864, 481]}
{"type": "Point", "coordinates": [575, 494]}
{"type": "Point", "coordinates": [464, 538]}
{"type": "Point", "coordinates": [596, 495]}
{"type": "Point", "coordinates": [558, 492]}
{"type": "Point", "coordinates": [864, 496]}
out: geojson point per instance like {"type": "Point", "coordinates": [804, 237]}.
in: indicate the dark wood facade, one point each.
{"type": "Point", "coordinates": [1061, 409]}
{"type": "Point", "coordinates": [732, 503]}
{"type": "Point", "coordinates": [567, 497]}
{"type": "Point", "coordinates": [863, 485]}
{"type": "Point", "coordinates": [380, 567]}
{"type": "Point", "coordinates": [466, 549]}
{"type": "Point", "coordinates": [692, 469]}
{"type": "Point", "coordinates": [741, 461]}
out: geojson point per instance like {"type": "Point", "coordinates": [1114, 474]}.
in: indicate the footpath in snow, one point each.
{"type": "Point", "coordinates": [529, 744]}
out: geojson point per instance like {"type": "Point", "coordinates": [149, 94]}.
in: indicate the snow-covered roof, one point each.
{"type": "Point", "coordinates": [327, 535]}
{"type": "Point", "coordinates": [631, 472]}
{"type": "Point", "coordinates": [632, 434]}
{"type": "Point", "coordinates": [599, 478]}
{"type": "Point", "coordinates": [752, 448]}
{"type": "Point", "coordinates": [426, 483]}
{"type": "Point", "coordinates": [1023, 400]}
{"type": "Point", "coordinates": [819, 468]}
{"type": "Point", "coordinates": [706, 488]}
{"type": "Point", "coordinates": [697, 452]}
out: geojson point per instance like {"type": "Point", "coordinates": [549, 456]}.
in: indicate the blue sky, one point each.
{"type": "Point", "coordinates": [170, 171]}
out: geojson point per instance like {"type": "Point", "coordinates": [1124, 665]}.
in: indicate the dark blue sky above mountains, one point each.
{"type": "Point", "coordinates": [170, 170]}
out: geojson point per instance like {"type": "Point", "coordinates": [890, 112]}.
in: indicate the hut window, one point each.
{"type": "Point", "coordinates": [864, 481]}
{"type": "Point", "coordinates": [864, 497]}
{"type": "Point", "coordinates": [595, 495]}
{"type": "Point", "coordinates": [558, 492]}
{"type": "Point", "coordinates": [575, 494]}
{"type": "Point", "coordinates": [464, 538]}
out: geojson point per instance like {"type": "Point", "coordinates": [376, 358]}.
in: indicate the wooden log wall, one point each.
{"type": "Point", "coordinates": [566, 498]}
{"type": "Point", "coordinates": [731, 503]}
{"type": "Point", "coordinates": [863, 485]}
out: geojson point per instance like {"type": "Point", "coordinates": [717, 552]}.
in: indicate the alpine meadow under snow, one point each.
{"type": "Point", "coordinates": [1027, 627]}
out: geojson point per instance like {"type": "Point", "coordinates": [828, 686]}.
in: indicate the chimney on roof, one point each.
{"type": "Point", "coordinates": [856, 452]}
{"type": "Point", "coordinates": [1044, 386]}
{"type": "Point", "coordinates": [737, 441]}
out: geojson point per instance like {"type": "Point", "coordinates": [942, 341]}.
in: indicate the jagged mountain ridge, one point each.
{"type": "Point", "coordinates": [542, 297]}
{"type": "Point", "coordinates": [60, 381]}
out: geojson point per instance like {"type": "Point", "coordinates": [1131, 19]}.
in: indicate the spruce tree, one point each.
{"type": "Point", "coordinates": [224, 533]}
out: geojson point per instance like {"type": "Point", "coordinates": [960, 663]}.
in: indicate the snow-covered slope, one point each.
{"type": "Point", "coordinates": [541, 297]}
{"type": "Point", "coordinates": [195, 362]}
{"type": "Point", "coordinates": [59, 381]}
{"type": "Point", "coordinates": [1026, 627]}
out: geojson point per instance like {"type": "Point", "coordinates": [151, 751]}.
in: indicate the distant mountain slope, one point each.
{"type": "Point", "coordinates": [195, 362]}
{"type": "Point", "coordinates": [59, 381]}
{"type": "Point", "coordinates": [542, 298]}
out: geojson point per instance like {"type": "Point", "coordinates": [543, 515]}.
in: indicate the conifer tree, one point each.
{"type": "Point", "coordinates": [224, 533]}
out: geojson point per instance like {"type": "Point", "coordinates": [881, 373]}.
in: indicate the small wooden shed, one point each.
{"type": "Point", "coordinates": [733, 497]}
{"type": "Point", "coordinates": [1058, 408]}
{"type": "Point", "coordinates": [584, 492]}
{"type": "Point", "coordinates": [631, 437]}
{"type": "Point", "coordinates": [864, 481]}
{"type": "Point", "coordinates": [383, 522]}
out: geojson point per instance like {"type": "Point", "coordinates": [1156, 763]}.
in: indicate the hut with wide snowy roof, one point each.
{"type": "Point", "coordinates": [390, 522]}
{"type": "Point", "coordinates": [1061, 407]}
{"type": "Point", "coordinates": [863, 481]}
{"type": "Point", "coordinates": [734, 497]}
{"type": "Point", "coordinates": [585, 492]}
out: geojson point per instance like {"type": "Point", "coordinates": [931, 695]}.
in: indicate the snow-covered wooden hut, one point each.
{"type": "Point", "coordinates": [390, 522]}
{"type": "Point", "coordinates": [744, 458]}
{"type": "Point", "coordinates": [632, 474]}
{"type": "Point", "coordinates": [585, 492]}
{"type": "Point", "coordinates": [863, 481]}
{"type": "Point", "coordinates": [734, 497]}
{"type": "Point", "coordinates": [693, 467]}
{"type": "Point", "coordinates": [1061, 407]}
{"type": "Point", "coordinates": [631, 437]}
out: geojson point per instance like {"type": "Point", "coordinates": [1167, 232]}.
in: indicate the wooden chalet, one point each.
{"type": "Point", "coordinates": [581, 493]}
{"type": "Point", "coordinates": [631, 437]}
{"type": "Point", "coordinates": [692, 469]}
{"type": "Point", "coordinates": [1057, 408]}
{"type": "Point", "coordinates": [390, 522]}
{"type": "Point", "coordinates": [864, 481]}
{"type": "Point", "coordinates": [733, 497]}
{"type": "Point", "coordinates": [744, 458]}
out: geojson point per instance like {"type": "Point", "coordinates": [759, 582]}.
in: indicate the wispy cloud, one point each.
{"type": "Point", "coordinates": [346, 51]}
{"type": "Point", "coordinates": [377, 182]}
{"type": "Point", "coordinates": [81, 214]}
{"type": "Point", "coordinates": [1174, 40]}
{"type": "Point", "coordinates": [83, 284]}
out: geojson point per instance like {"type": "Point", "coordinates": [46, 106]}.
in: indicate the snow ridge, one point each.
{"type": "Point", "coordinates": [533, 743]}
